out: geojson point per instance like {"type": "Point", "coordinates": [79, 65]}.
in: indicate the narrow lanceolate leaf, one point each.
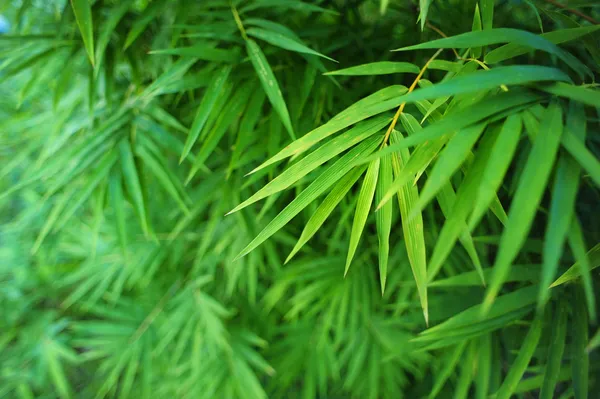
{"type": "Point", "coordinates": [107, 29]}
{"type": "Point", "coordinates": [338, 192]}
{"type": "Point", "coordinates": [528, 196]}
{"type": "Point", "coordinates": [315, 159]}
{"type": "Point", "coordinates": [585, 95]}
{"type": "Point", "coordinates": [518, 368]}
{"type": "Point", "coordinates": [594, 342]}
{"type": "Point", "coordinates": [580, 361]}
{"type": "Point", "coordinates": [202, 51]}
{"type": "Point", "coordinates": [83, 14]}
{"type": "Point", "coordinates": [455, 121]}
{"type": "Point", "coordinates": [449, 160]}
{"type": "Point", "coordinates": [204, 110]}
{"type": "Point", "coordinates": [512, 50]}
{"type": "Point", "coordinates": [502, 35]}
{"type": "Point", "coordinates": [574, 272]}
{"type": "Point", "coordinates": [487, 14]}
{"type": "Point", "coordinates": [577, 244]}
{"type": "Point", "coordinates": [363, 208]}
{"type": "Point", "coordinates": [362, 109]}
{"type": "Point", "coordinates": [333, 174]}
{"type": "Point", "coordinates": [142, 22]}
{"type": "Point", "coordinates": [496, 167]}
{"type": "Point", "coordinates": [377, 68]}
{"type": "Point", "coordinates": [582, 155]}
{"type": "Point", "coordinates": [456, 219]}
{"type": "Point", "coordinates": [132, 182]}
{"type": "Point", "coordinates": [414, 236]}
{"type": "Point", "coordinates": [384, 218]}
{"type": "Point", "coordinates": [269, 83]}
{"type": "Point", "coordinates": [562, 205]}
{"type": "Point", "coordinates": [283, 41]}
{"type": "Point", "coordinates": [556, 348]}
{"type": "Point", "coordinates": [424, 10]}
{"type": "Point", "coordinates": [476, 27]}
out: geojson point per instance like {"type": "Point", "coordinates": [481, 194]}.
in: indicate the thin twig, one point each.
{"type": "Point", "coordinates": [573, 11]}
{"type": "Point", "coordinates": [410, 89]}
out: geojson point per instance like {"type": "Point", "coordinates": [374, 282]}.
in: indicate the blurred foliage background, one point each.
{"type": "Point", "coordinates": [128, 129]}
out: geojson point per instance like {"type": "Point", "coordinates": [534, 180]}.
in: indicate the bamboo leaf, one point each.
{"type": "Point", "coordinates": [283, 41]}
{"type": "Point", "coordinates": [584, 95]}
{"type": "Point", "coordinates": [115, 192]}
{"type": "Point", "coordinates": [580, 362]}
{"type": "Point", "coordinates": [363, 207]}
{"type": "Point", "coordinates": [502, 35]}
{"type": "Point", "coordinates": [527, 197]}
{"type": "Point", "coordinates": [496, 167]}
{"type": "Point", "coordinates": [132, 182]}
{"type": "Point", "coordinates": [83, 14]}
{"type": "Point", "coordinates": [333, 174]}
{"type": "Point", "coordinates": [577, 244]}
{"type": "Point", "coordinates": [412, 227]}
{"type": "Point", "coordinates": [556, 348]}
{"type": "Point", "coordinates": [518, 368]}
{"type": "Point", "coordinates": [377, 68]}
{"type": "Point", "coordinates": [384, 219]}
{"type": "Point", "coordinates": [204, 110]}
{"type": "Point", "coordinates": [201, 51]}
{"type": "Point", "coordinates": [315, 159]}
{"type": "Point", "coordinates": [317, 219]}
{"type": "Point", "coordinates": [574, 272]}
{"type": "Point", "coordinates": [269, 83]}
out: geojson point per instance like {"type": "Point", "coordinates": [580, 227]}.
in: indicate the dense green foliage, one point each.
{"type": "Point", "coordinates": [412, 223]}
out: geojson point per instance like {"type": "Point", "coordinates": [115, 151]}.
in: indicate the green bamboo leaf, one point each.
{"type": "Point", "coordinates": [143, 21]}
{"type": "Point", "coordinates": [377, 68]}
{"type": "Point", "coordinates": [57, 372]}
{"type": "Point", "coordinates": [512, 50]}
{"type": "Point", "coordinates": [455, 224]}
{"type": "Point", "coordinates": [204, 110]}
{"type": "Point", "coordinates": [529, 193]}
{"type": "Point", "coordinates": [287, 4]}
{"type": "Point", "coordinates": [423, 11]}
{"type": "Point", "coordinates": [315, 159]}
{"type": "Point", "coordinates": [476, 27]}
{"type": "Point", "coordinates": [556, 348]}
{"type": "Point", "coordinates": [580, 361]}
{"type": "Point", "coordinates": [521, 299]}
{"type": "Point", "coordinates": [496, 167]}
{"type": "Point", "coordinates": [577, 244]}
{"type": "Point", "coordinates": [447, 370]}
{"type": "Point", "coordinates": [586, 95]}
{"type": "Point", "coordinates": [582, 155]}
{"type": "Point", "coordinates": [518, 368]}
{"type": "Point", "coordinates": [502, 35]}
{"type": "Point", "coordinates": [333, 174]}
{"type": "Point", "coordinates": [269, 83]}
{"type": "Point", "coordinates": [317, 219]}
{"type": "Point", "coordinates": [412, 228]}
{"type": "Point", "coordinates": [115, 192]}
{"type": "Point", "coordinates": [363, 207]}
{"type": "Point", "coordinates": [383, 5]}
{"type": "Point", "coordinates": [283, 41]}
{"type": "Point", "coordinates": [487, 14]}
{"type": "Point", "coordinates": [357, 112]}
{"type": "Point", "coordinates": [108, 29]}
{"type": "Point", "coordinates": [202, 51]}
{"type": "Point", "coordinates": [562, 206]}
{"type": "Point", "coordinates": [574, 272]}
{"type": "Point", "coordinates": [473, 278]}
{"type": "Point", "coordinates": [449, 160]}
{"type": "Point", "coordinates": [503, 102]}
{"type": "Point", "coordinates": [83, 14]}
{"type": "Point", "coordinates": [384, 219]}
{"type": "Point", "coordinates": [132, 182]}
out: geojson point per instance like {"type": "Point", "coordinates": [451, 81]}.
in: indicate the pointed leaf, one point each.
{"type": "Point", "coordinates": [556, 348]}
{"type": "Point", "coordinates": [269, 83]}
{"type": "Point", "coordinates": [83, 14]}
{"type": "Point", "coordinates": [377, 68]}
{"type": "Point", "coordinates": [363, 208]}
{"type": "Point", "coordinates": [384, 218]}
{"type": "Point", "coordinates": [283, 41]}
{"type": "Point", "coordinates": [529, 194]}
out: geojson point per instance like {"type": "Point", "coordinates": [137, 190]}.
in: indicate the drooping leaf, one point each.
{"type": "Point", "coordinates": [527, 197]}
{"type": "Point", "coordinates": [384, 219]}
{"type": "Point", "coordinates": [283, 41]}
{"type": "Point", "coordinates": [363, 208]}
{"type": "Point", "coordinates": [269, 83]}
{"type": "Point", "coordinates": [377, 68]}
{"type": "Point", "coordinates": [83, 14]}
